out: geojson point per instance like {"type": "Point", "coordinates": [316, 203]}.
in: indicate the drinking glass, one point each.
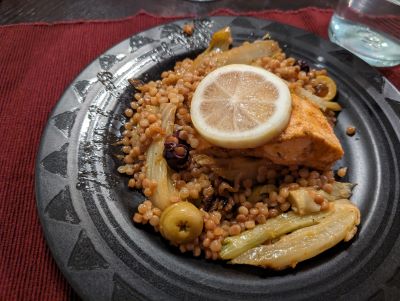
{"type": "Point", "coordinates": [368, 28]}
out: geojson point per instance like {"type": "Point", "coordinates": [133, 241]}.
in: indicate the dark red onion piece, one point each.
{"type": "Point", "coordinates": [174, 159]}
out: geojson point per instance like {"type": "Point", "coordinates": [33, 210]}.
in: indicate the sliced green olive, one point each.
{"type": "Point", "coordinates": [181, 222]}
{"type": "Point", "coordinates": [325, 87]}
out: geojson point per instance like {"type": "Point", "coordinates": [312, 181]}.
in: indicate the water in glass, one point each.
{"type": "Point", "coordinates": [368, 28]}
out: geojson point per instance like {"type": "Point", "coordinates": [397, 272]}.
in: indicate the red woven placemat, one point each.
{"type": "Point", "coordinates": [37, 62]}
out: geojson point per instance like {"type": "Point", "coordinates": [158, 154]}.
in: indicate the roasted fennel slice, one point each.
{"type": "Point", "coordinates": [341, 190]}
{"type": "Point", "coordinates": [244, 54]}
{"type": "Point", "coordinates": [275, 227]}
{"type": "Point", "coordinates": [156, 166]}
{"type": "Point", "coordinates": [303, 202]}
{"type": "Point", "coordinates": [307, 242]}
{"type": "Point", "coordinates": [220, 41]}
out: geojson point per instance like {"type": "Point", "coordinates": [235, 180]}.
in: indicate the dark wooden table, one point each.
{"type": "Point", "coordinates": [18, 11]}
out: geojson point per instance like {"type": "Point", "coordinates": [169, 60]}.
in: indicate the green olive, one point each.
{"type": "Point", "coordinates": [181, 222]}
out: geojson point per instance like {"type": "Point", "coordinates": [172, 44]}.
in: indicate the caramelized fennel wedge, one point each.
{"type": "Point", "coordinates": [156, 167]}
{"type": "Point", "coordinates": [244, 54]}
{"type": "Point", "coordinates": [303, 203]}
{"type": "Point", "coordinates": [341, 190]}
{"type": "Point", "coordinates": [275, 227]}
{"type": "Point", "coordinates": [307, 242]}
{"type": "Point", "coordinates": [220, 41]}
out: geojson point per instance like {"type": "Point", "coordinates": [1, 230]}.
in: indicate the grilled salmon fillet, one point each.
{"type": "Point", "coordinates": [308, 140]}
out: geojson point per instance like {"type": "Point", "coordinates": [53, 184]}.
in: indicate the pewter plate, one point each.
{"type": "Point", "coordinates": [85, 206]}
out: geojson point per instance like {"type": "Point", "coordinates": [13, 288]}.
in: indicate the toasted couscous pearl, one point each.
{"type": "Point", "coordinates": [351, 130]}
{"type": "Point", "coordinates": [342, 172]}
{"type": "Point", "coordinates": [254, 211]}
{"type": "Point", "coordinates": [215, 246]}
{"type": "Point", "coordinates": [261, 219]}
{"type": "Point", "coordinates": [327, 187]}
{"type": "Point", "coordinates": [137, 218]}
{"type": "Point", "coordinates": [325, 205]}
{"type": "Point", "coordinates": [285, 206]}
{"type": "Point", "coordinates": [142, 209]}
{"type": "Point", "coordinates": [319, 199]}
{"type": "Point", "coordinates": [154, 220]}
{"type": "Point", "coordinates": [273, 212]}
{"type": "Point", "coordinates": [243, 210]}
{"type": "Point", "coordinates": [249, 224]}
{"type": "Point", "coordinates": [241, 218]}
{"type": "Point", "coordinates": [132, 183]}
{"type": "Point", "coordinates": [218, 231]}
{"type": "Point", "coordinates": [206, 242]}
{"type": "Point", "coordinates": [284, 192]}
{"type": "Point", "coordinates": [210, 225]}
{"type": "Point", "coordinates": [184, 193]}
{"type": "Point", "coordinates": [235, 230]}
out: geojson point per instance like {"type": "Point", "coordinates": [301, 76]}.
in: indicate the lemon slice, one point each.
{"type": "Point", "coordinates": [240, 106]}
